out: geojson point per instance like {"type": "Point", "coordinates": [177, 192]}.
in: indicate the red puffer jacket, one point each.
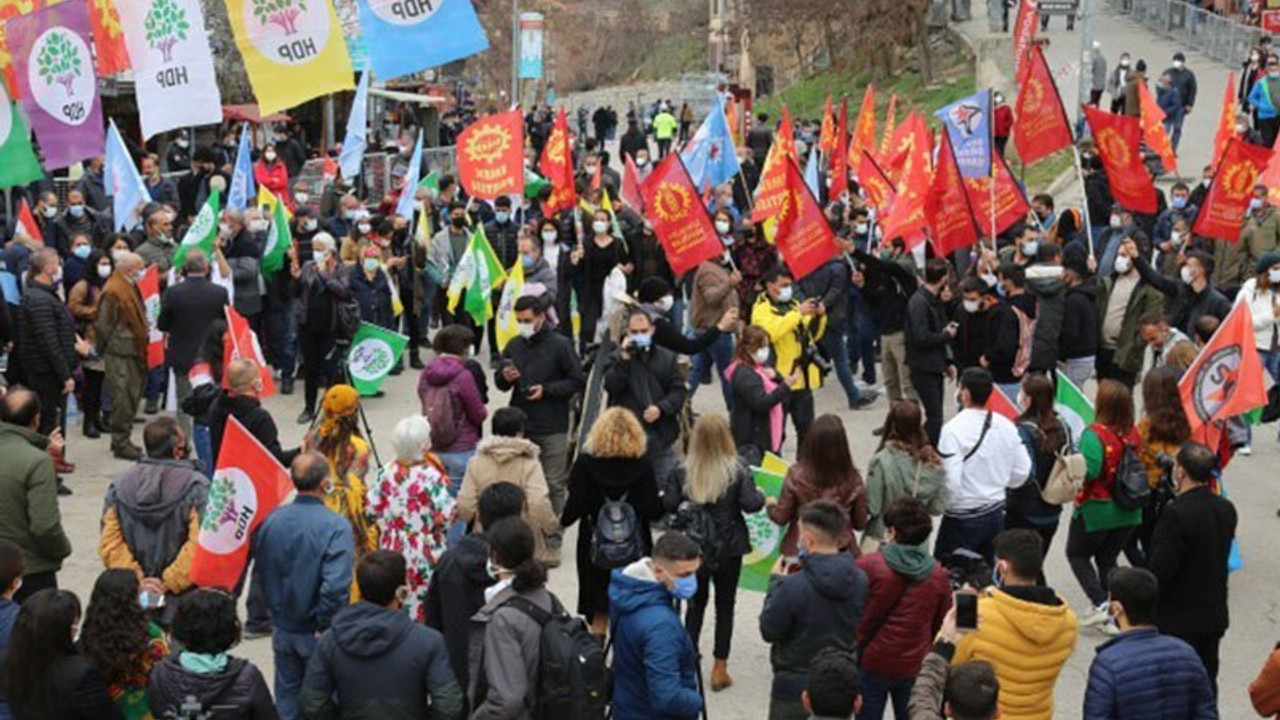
{"type": "Point", "coordinates": [898, 647]}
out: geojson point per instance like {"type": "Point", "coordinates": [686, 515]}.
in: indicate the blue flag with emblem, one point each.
{"type": "Point", "coordinates": [405, 36]}
{"type": "Point", "coordinates": [968, 123]}
{"type": "Point", "coordinates": [710, 156]}
{"type": "Point", "coordinates": [242, 186]}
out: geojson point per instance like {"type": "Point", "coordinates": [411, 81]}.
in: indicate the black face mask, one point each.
{"type": "Point", "coordinates": [457, 222]}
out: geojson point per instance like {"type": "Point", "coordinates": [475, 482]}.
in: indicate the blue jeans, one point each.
{"type": "Point", "coordinates": [282, 336]}
{"type": "Point", "coordinates": [974, 532]}
{"type": "Point", "coordinates": [721, 354]}
{"type": "Point", "coordinates": [204, 448]}
{"type": "Point", "coordinates": [879, 690]}
{"type": "Point", "coordinates": [292, 652]}
{"type": "Point", "coordinates": [832, 344]}
{"type": "Point", "coordinates": [455, 464]}
{"type": "Point", "coordinates": [157, 383]}
{"type": "Point", "coordinates": [861, 342]}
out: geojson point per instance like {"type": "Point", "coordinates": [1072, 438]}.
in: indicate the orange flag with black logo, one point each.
{"type": "Point", "coordinates": [947, 205]}
{"type": "Point", "coordinates": [1225, 205]}
{"type": "Point", "coordinates": [864, 131]}
{"type": "Point", "coordinates": [1042, 128]}
{"type": "Point", "coordinates": [1153, 129]}
{"type": "Point", "coordinates": [804, 236]}
{"type": "Point", "coordinates": [679, 218]}
{"type": "Point", "coordinates": [1118, 139]}
{"type": "Point", "coordinates": [556, 165]}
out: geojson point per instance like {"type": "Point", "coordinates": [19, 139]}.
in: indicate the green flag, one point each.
{"type": "Point", "coordinates": [766, 536]}
{"type": "Point", "coordinates": [430, 182]}
{"type": "Point", "coordinates": [533, 184]}
{"type": "Point", "coordinates": [203, 231]}
{"type": "Point", "coordinates": [374, 352]}
{"type": "Point", "coordinates": [487, 274]}
{"type": "Point", "coordinates": [279, 240]}
{"type": "Point", "coordinates": [18, 162]}
{"type": "Point", "coordinates": [1074, 408]}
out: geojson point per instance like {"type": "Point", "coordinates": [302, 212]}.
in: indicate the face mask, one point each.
{"type": "Point", "coordinates": [318, 256]}
{"type": "Point", "coordinates": [258, 226]}
{"type": "Point", "coordinates": [1187, 276]}
{"type": "Point", "coordinates": [549, 235]}
{"type": "Point", "coordinates": [526, 262]}
{"type": "Point", "coordinates": [642, 161]}
{"type": "Point", "coordinates": [1241, 128]}
{"type": "Point", "coordinates": [1206, 182]}
{"type": "Point", "coordinates": [1273, 277]}
{"type": "Point", "coordinates": [457, 222]}
{"type": "Point", "coordinates": [972, 306]}
{"type": "Point", "coordinates": [665, 303]}
{"type": "Point", "coordinates": [502, 217]}
{"type": "Point", "coordinates": [57, 278]}
{"type": "Point", "coordinates": [1124, 62]}
{"type": "Point", "coordinates": [183, 142]}
{"type": "Point", "coordinates": [1273, 74]}
{"type": "Point", "coordinates": [1177, 64]}
{"type": "Point", "coordinates": [1255, 57]}
{"type": "Point", "coordinates": [526, 330]}
{"type": "Point", "coordinates": [990, 279]}
{"type": "Point", "coordinates": [351, 214]}
{"type": "Point", "coordinates": [722, 227]}
{"type": "Point", "coordinates": [492, 569]}
{"type": "Point", "coordinates": [364, 228]}
{"type": "Point", "coordinates": [269, 157]}
{"type": "Point", "coordinates": [104, 271]}
{"type": "Point", "coordinates": [1029, 249]}
{"type": "Point", "coordinates": [370, 264]}
{"type": "Point", "coordinates": [1179, 202]}
{"type": "Point", "coordinates": [1123, 264]}
{"type": "Point", "coordinates": [599, 227]}
{"type": "Point", "coordinates": [301, 197]}
{"type": "Point", "coordinates": [995, 577]}
{"type": "Point", "coordinates": [49, 211]}
{"type": "Point", "coordinates": [860, 228]}
{"type": "Point", "coordinates": [1177, 238]}
{"type": "Point", "coordinates": [1255, 204]}
{"type": "Point", "coordinates": [784, 295]}
{"type": "Point", "coordinates": [761, 356]}
{"type": "Point", "coordinates": [118, 255]}
{"type": "Point", "coordinates": [224, 229]}
{"type": "Point", "coordinates": [310, 224]}
{"type": "Point", "coordinates": [686, 587]}
{"type": "Point", "coordinates": [82, 251]}
{"type": "Point", "coordinates": [76, 210]}
{"type": "Point", "coordinates": [642, 341]}
{"type": "Point", "coordinates": [1000, 289]}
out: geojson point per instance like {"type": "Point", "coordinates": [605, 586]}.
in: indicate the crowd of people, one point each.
{"type": "Point", "coordinates": [418, 589]}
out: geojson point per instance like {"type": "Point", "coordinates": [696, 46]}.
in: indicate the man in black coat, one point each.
{"type": "Point", "coordinates": [928, 335]}
{"type": "Point", "coordinates": [187, 309]}
{"type": "Point", "coordinates": [1192, 296]}
{"type": "Point", "coordinates": [1189, 552]}
{"type": "Point", "coordinates": [240, 400]}
{"type": "Point", "coordinates": [46, 340]}
{"type": "Point", "coordinates": [890, 283]}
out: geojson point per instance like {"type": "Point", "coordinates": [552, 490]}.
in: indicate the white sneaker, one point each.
{"type": "Point", "coordinates": [1097, 616]}
{"type": "Point", "coordinates": [1245, 450]}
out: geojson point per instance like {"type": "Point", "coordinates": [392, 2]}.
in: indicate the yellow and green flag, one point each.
{"type": "Point", "coordinates": [505, 328]}
{"type": "Point", "coordinates": [293, 50]}
{"type": "Point", "coordinates": [477, 275]}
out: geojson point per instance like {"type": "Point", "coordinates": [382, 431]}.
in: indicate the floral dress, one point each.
{"type": "Point", "coordinates": [130, 693]}
{"type": "Point", "coordinates": [413, 510]}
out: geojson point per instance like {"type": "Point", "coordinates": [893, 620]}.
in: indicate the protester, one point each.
{"type": "Point", "coordinates": [1045, 436]}
{"type": "Point", "coordinates": [121, 336]}
{"type": "Point", "coordinates": [1164, 346]}
{"type": "Point", "coordinates": [794, 329]}
{"type": "Point", "coordinates": [905, 465]}
{"type": "Point", "coordinates": [967, 691]}
{"type": "Point", "coordinates": [1192, 298]}
{"type": "Point", "coordinates": [83, 301]}
{"type": "Point", "coordinates": [242, 401]}
{"type": "Point", "coordinates": [824, 470]}
{"type": "Point", "coordinates": [1123, 298]}
{"type": "Point", "coordinates": [1260, 294]}
{"type": "Point", "coordinates": [452, 402]}
{"type": "Point", "coordinates": [336, 436]}
{"type": "Point", "coordinates": [760, 394]}
{"type": "Point", "coordinates": [927, 336]}
{"type": "Point", "coordinates": [714, 291]}
{"type": "Point", "coordinates": [118, 638]}
{"type": "Point", "coordinates": [1163, 429]}
{"type": "Point", "coordinates": [47, 344]}
{"type": "Point", "coordinates": [321, 287]}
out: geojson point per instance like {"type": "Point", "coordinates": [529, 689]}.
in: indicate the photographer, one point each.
{"type": "Point", "coordinates": [1163, 429]}
{"type": "Point", "coordinates": [794, 329]}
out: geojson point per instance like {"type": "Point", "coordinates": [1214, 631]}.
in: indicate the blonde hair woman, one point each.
{"type": "Point", "coordinates": [718, 485]}
{"type": "Point", "coordinates": [612, 469]}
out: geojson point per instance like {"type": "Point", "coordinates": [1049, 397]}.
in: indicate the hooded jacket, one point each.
{"type": "Point", "coordinates": [513, 460]}
{"type": "Point", "coordinates": [1046, 284]}
{"type": "Point", "coordinates": [1027, 633]}
{"type": "Point", "coordinates": [455, 594]}
{"type": "Point", "coordinates": [908, 596]}
{"type": "Point", "coordinates": [505, 645]}
{"type": "Point", "coordinates": [798, 490]}
{"type": "Point", "coordinates": [29, 514]}
{"type": "Point", "coordinates": [375, 663]}
{"type": "Point", "coordinates": [1143, 675]}
{"type": "Point", "coordinates": [240, 685]}
{"type": "Point", "coordinates": [1080, 331]}
{"type": "Point", "coordinates": [893, 474]}
{"type": "Point", "coordinates": [151, 519]}
{"type": "Point", "coordinates": [654, 661]}
{"type": "Point", "coordinates": [469, 411]}
{"type": "Point", "coordinates": [818, 607]}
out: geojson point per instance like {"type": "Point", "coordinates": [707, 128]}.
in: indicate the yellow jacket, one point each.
{"type": "Point", "coordinates": [1028, 643]}
{"type": "Point", "coordinates": [116, 554]}
{"type": "Point", "coordinates": [785, 330]}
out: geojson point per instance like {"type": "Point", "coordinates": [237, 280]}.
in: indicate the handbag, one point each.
{"type": "Point", "coordinates": [1067, 477]}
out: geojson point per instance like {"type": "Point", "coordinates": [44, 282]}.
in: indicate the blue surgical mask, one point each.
{"type": "Point", "coordinates": [502, 217]}
{"type": "Point", "coordinates": [996, 579]}
{"type": "Point", "coordinates": [686, 587]}
{"type": "Point", "coordinates": [75, 210]}
{"type": "Point", "coordinates": [1179, 202]}
{"type": "Point", "coordinates": [527, 262]}
{"type": "Point", "coordinates": [641, 341]}
{"type": "Point", "coordinates": [81, 251]}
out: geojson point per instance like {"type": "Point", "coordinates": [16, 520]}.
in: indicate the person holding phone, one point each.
{"type": "Point", "coordinates": [928, 334]}
{"type": "Point", "coordinates": [794, 327]}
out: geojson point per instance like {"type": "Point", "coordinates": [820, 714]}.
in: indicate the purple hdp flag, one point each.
{"type": "Point", "coordinates": [58, 82]}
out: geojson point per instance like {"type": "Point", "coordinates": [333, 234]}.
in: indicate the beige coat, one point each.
{"type": "Point", "coordinates": [513, 460]}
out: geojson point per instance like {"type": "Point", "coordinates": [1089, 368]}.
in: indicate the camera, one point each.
{"type": "Point", "coordinates": [1167, 489]}
{"type": "Point", "coordinates": [812, 355]}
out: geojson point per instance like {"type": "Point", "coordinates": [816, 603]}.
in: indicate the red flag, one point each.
{"type": "Point", "coordinates": [630, 192]}
{"type": "Point", "coordinates": [735, 124]}
{"type": "Point", "coordinates": [1153, 129]}
{"type": "Point", "coordinates": [877, 185]}
{"type": "Point", "coordinates": [864, 132]}
{"type": "Point", "coordinates": [1271, 178]}
{"type": "Point", "coordinates": [1042, 127]}
{"type": "Point", "coordinates": [108, 38]}
{"type": "Point", "coordinates": [907, 218]}
{"type": "Point", "coordinates": [1011, 203]}
{"type": "Point", "coordinates": [889, 119]}
{"type": "Point", "coordinates": [1228, 199]}
{"type": "Point", "coordinates": [491, 156]}
{"type": "Point", "coordinates": [1118, 138]}
{"type": "Point", "coordinates": [1226, 117]}
{"type": "Point", "coordinates": [679, 218]}
{"type": "Point", "coordinates": [827, 138]}
{"type": "Point", "coordinates": [1024, 37]}
{"type": "Point", "coordinates": [27, 223]}
{"type": "Point", "coordinates": [330, 169]}
{"type": "Point", "coordinates": [247, 485]}
{"type": "Point", "coordinates": [786, 139]}
{"type": "Point", "coordinates": [804, 236]}
{"type": "Point", "coordinates": [1000, 404]}
{"type": "Point", "coordinates": [947, 205]}
{"type": "Point", "coordinates": [773, 176]}
{"type": "Point", "coordinates": [241, 343]}
{"type": "Point", "coordinates": [840, 156]}
{"type": "Point", "coordinates": [1226, 378]}
{"type": "Point", "coordinates": [149, 289]}
{"type": "Point", "coordinates": [556, 165]}
{"type": "Point", "coordinates": [912, 145]}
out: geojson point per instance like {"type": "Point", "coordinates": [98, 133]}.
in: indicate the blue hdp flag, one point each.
{"type": "Point", "coordinates": [710, 156]}
{"type": "Point", "coordinates": [968, 123]}
{"type": "Point", "coordinates": [404, 208]}
{"type": "Point", "coordinates": [123, 182]}
{"type": "Point", "coordinates": [405, 36]}
{"type": "Point", "coordinates": [243, 190]}
{"type": "Point", "coordinates": [357, 138]}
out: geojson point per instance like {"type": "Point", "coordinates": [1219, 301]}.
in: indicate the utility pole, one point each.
{"type": "Point", "coordinates": [515, 52]}
{"type": "Point", "coordinates": [1087, 16]}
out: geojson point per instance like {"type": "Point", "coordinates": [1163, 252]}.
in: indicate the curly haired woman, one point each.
{"type": "Point", "coordinates": [120, 640]}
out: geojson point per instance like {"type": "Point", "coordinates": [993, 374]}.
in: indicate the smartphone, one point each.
{"type": "Point", "coordinates": [966, 611]}
{"type": "Point", "coordinates": [150, 601]}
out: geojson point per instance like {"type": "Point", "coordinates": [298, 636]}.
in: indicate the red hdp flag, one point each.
{"type": "Point", "coordinates": [630, 191]}
{"type": "Point", "coordinates": [1153, 129]}
{"type": "Point", "coordinates": [840, 156]}
{"type": "Point", "coordinates": [556, 165]}
{"type": "Point", "coordinates": [877, 185]}
{"type": "Point", "coordinates": [247, 485]}
{"type": "Point", "coordinates": [27, 223]}
{"type": "Point", "coordinates": [912, 145]}
{"type": "Point", "coordinates": [1226, 117]}
{"type": "Point", "coordinates": [1000, 404]}
{"type": "Point", "coordinates": [1024, 36]}
{"type": "Point", "coordinates": [1226, 378]}
{"type": "Point", "coordinates": [108, 38]}
{"type": "Point", "coordinates": [1228, 199]}
{"type": "Point", "coordinates": [241, 343]}
{"type": "Point", "coordinates": [804, 236]}
{"type": "Point", "coordinates": [679, 218]}
{"type": "Point", "coordinates": [827, 138]}
{"type": "Point", "coordinates": [947, 205]}
{"type": "Point", "coordinates": [149, 289]}
{"type": "Point", "coordinates": [890, 117]}
{"type": "Point", "coordinates": [907, 218]}
{"type": "Point", "coordinates": [491, 156]}
{"type": "Point", "coordinates": [864, 132]}
{"type": "Point", "coordinates": [1011, 203]}
{"type": "Point", "coordinates": [1118, 139]}
{"type": "Point", "coordinates": [1042, 128]}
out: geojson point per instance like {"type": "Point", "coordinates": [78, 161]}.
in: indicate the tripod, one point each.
{"type": "Point", "coordinates": [364, 419]}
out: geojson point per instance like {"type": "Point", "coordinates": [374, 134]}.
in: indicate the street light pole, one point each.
{"type": "Point", "coordinates": [1087, 25]}
{"type": "Point", "coordinates": [515, 52]}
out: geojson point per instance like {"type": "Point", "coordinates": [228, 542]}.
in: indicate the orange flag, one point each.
{"type": "Point", "coordinates": [1042, 127]}
{"type": "Point", "coordinates": [108, 38]}
{"type": "Point", "coordinates": [491, 156]}
{"type": "Point", "coordinates": [864, 132]}
{"type": "Point", "coordinates": [1227, 118]}
{"type": "Point", "coordinates": [877, 185]}
{"type": "Point", "coordinates": [907, 219]}
{"type": "Point", "coordinates": [947, 205]}
{"type": "Point", "coordinates": [556, 165]}
{"type": "Point", "coordinates": [804, 236]}
{"type": "Point", "coordinates": [773, 177]}
{"type": "Point", "coordinates": [1118, 139]}
{"type": "Point", "coordinates": [827, 138]}
{"type": "Point", "coordinates": [840, 155]}
{"type": "Point", "coordinates": [1226, 378]}
{"type": "Point", "coordinates": [1228, 199]}
{"type": "Point", "coordinates": [1011, 203]}
{"type": "Point", "coordinates": [886, 142]}
{"type": "Point", "coordinates": [786, 137]}
{"type": "Point", "coordinates": [1024, 36]}
{"type": "Point", "coordinates": [1153, 129]}
{"type": "Point", "coordinates": [912, 145]}
{"type": "Point", "coordinates": [731, 116]}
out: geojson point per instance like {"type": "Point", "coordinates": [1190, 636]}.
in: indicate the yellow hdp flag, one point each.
{"type": "Point", "coordinates": [506, 328]}
{"type": "Point", "coordinates": [293, 50]}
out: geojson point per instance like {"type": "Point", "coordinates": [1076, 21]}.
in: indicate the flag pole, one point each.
{"type": "Point", "coordinates": [1088, 224]}
{"type": "Point", "coordinates": [991, 146]}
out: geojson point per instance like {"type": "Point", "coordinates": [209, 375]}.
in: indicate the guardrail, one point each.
{"type": "Point", "coordinates": [1221, 38]}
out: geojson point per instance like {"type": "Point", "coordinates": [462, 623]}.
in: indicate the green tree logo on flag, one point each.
{"type": "Point", "coordinates": [166, 24]}
{"type": "Point", "coordinates": [59, 61]}
{"type": "Point", "coordinates": [233, 501]}
{"type": "Point", "coordinates": [284, 13]}
{"type": "Point", "coordinates": [374, 352]}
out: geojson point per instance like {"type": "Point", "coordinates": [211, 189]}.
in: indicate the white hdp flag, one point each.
{"type": "Point", "coordinates": [172, 64]}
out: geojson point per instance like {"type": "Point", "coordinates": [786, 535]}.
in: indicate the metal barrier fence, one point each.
{"type": "Point", "coordinates": [1224, 39]}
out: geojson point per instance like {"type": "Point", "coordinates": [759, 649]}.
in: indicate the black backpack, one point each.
{"type": "Point", "coordinates": [1131, 490]}
{"type": "Point", "coordinates": [696, 521]}
{"type": "Point", "coordinates": [573, 676]}
{"type": "Point", "coordinates": [615, 539]}
{"type": "Point", "coordinates": [346, 319]}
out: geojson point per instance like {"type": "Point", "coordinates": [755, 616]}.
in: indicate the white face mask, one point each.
{"type": "Point", "coordinates": [600, 227]}
{"type": "Point", "coordinates": [269, 156]}
{"type": "Point", "coordinates": [364, 228]}
{"type": "Point", "coordinates": [1187, 276]}
{"type": "Point", "coordinates": [665, 303]}
{"type": "Point", "coordinates": [526, 329]}
{"type": "Point", "coordinates": [104, 271]}
{"type": "Point", "coordinates": [1116, 222]}
{"type": "Point", "coordinates": [117, 255]}
{"type": "Point", "coordinates": [258, 226]}
{"type": "Point", "coordinates": [722, 227]}
{"type": "Point", "coordinates": [642, 161]}
{"type": "Point", "coordinates": [1273, 276]}
{"type": "Point", "coordinates": [301, 197]}
{"type": "Point", "coordinates": [972, 306]}
{"type": "Point", "coordinates": [224, 229]}
{"type": "Point", "coordinates": [761, 356]}
{"type": "Point", "coordinates": [318, 256]}
{"type": "Point", "coordinates": [549, 235]}
{"type": "Point", "coordinates": [1029, 249]}
{"type": "Point", "coordinates": [310, 224]}
{"type": "Point", "coordinates": [784, 295]}
{"type": "Point", "coordinates": [990, 279]}
{"type": "Point", "coordinates": [860, 228]}
{"type": "Point", "coordinates": [49, 211]}
{"type": "Point", "coordinates": [1123, 264]}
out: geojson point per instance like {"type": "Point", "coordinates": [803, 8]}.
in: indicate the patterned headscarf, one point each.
{"type": "Point", "coordinates": [340, 402]}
